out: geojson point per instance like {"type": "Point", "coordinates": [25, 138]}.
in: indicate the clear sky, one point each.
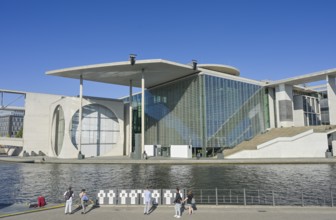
{"type": "Point", "coordinates": [264, 39]}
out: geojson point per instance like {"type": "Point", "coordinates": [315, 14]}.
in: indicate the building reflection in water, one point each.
{"type": "Point", "coordinates": [25, 182]}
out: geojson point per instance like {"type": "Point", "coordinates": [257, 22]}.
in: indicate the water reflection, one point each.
{"type": "Point", "coordinates": [24, 182]}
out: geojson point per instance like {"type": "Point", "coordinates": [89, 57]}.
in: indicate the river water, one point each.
{"type": "Point", "coordinates": [21, 182]}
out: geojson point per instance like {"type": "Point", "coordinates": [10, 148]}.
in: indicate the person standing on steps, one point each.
{"type": "Point", "coordinates": [147, 200]}
{"type": "Point", "coordinates": [68, 195]}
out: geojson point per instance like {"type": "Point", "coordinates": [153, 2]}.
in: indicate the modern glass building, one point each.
{"type": "Point", "coordinates": [208, 107]}
{"type": "Point", "coordinates": [190, 108]}
{"type": "Point", "coordinates": [204, 111]}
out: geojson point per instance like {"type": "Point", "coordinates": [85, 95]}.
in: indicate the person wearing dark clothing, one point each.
{"type": "Point", "coordinates": [189, 200]}
{"type": "Point", "coordinates": [145, 156]}
{"type": "Point", "coordinates": [177, 201]}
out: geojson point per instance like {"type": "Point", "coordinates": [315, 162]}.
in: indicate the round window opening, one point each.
{"type": "Point", "coordinates": [100, 130]}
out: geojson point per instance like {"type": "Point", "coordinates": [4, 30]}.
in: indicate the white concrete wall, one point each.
{"type": "Point", "coordinates": [18, 142]}
{"type": "Point", "coordinates": [283, 92]}
{"type": "Point", "coordinates": [149, 150]}
{"type": "Point", "coordinates": [305, 145]}
{"type": "Point", "coordinates": [36, 122]}
{"type": "Point", "coordinates": [181, 151]}
{"type": "Point", "coordinates": [69, 106]}
{"type": "Point", "coordinates": [271, 99]}
{"type": "Point", "coordinates": [298, 115]}
{"type": "Point", "coordinates": [331, 89]}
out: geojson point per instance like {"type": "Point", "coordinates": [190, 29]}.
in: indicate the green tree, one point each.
{"type": "Point", "coordinates": [19, 133]}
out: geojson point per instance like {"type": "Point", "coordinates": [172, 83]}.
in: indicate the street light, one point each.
{"type": "Point", "coordinates": [194, 64]}
{"type": "Point", "coordinates": [132, 58]}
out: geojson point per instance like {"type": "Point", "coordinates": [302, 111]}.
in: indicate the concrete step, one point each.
{"type": "Point", "coordinates": [275, 133]}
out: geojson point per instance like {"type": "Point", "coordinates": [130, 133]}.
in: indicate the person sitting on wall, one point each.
{"type": "Point", "coordinates": [145, 155]}
{"type": "Point", "coordinates": [41, 201]}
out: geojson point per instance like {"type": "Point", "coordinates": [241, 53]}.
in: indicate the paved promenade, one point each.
{"type": "Point", "coordinates": [203, 212]}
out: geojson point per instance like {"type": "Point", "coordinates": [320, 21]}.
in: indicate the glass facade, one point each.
{"type": "Point", "coordinates": [203, 111]}
{"type": "Point", "coordinates": [324, 109]}
{"type": "Point", "coordinates": [234, 111]}
{"type": "Point", "coordinates": [311, 109]}
{"type": "Point", "coordinates": [174, 114]}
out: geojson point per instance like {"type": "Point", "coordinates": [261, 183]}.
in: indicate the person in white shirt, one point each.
{"type": "Point", "coordinates": [68, 195]}
{"type": "Point", "coordinates": [147, 200]}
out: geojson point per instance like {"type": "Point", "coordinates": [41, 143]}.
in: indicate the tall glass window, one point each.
{"type": "Point", "coordinates": [240, 116]}
{"type": "Point", "coordinates": [100, 130]}
{"type": "Point", "coordinates": [204, 111]}
{"type": "Point", "coordinates": [173, 114]}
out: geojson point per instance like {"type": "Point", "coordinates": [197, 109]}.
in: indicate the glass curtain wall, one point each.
{"type": "Point", "coordinates": [204, 111]}
{"type": "Point", "coordinates": [173, 114]}
{"type": "Point", "coordinates": [234, 111]}
{"type": "Point", "coordinates": [100, 130]}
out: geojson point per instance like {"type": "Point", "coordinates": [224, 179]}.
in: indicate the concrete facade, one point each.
{"type": "Point", "coordinates": [36, 122]}
{"type": "Point", "coordinates": [53, 125]}
{"type": "Point", "coordinates": [39, 126]}
{"type": "Point", "coordinates": [284, 101]}
{"type": "Point", "coordinates": [331, 90]}
{"type": "Point", "coordinates": [304, 145]}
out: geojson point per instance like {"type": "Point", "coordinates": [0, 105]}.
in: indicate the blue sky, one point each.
{"type": "Point", "coordinates": [264, 39]}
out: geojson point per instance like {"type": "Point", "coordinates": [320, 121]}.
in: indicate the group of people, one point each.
{"type": "Point", "coordinates": [178, 201]}
{"type": "Point", "coordinates": [190, 202]}
{"type": "Point", "coordinates": [69, 195]}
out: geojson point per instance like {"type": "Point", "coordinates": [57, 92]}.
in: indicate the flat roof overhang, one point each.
{"type": "Point", "coordinates": [155, 72]}
{"type": "Point", "coordinates": [312, 77]}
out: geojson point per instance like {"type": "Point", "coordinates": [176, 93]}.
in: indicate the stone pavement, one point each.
{"type": "Point", "coordinates": [203, 212]}
{"type": "Point", "coordinates": [166, 160]}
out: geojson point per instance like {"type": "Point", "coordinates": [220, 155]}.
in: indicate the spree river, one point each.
{"type": "Point", "coordinates": [22, 182]}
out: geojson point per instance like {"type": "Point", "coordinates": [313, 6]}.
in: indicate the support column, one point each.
{"type": "Point", "coordinates": [272, 114]}
{"type": "Point", "coordinates": [1, 105]}
{"type": "Point", "coordinates": [331, 90]}
{"type": "Point", "coordinates": [80, 116]}
{"type": "Point", "coordinates": [142, 111]}
{"type": "Point", "coordinates": [130, 118]}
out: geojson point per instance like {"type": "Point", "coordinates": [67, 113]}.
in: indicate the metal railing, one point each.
{"type": "Point", "coordinates": [244, 197]}
{"type": "Point", "coordinates": [263, 197]}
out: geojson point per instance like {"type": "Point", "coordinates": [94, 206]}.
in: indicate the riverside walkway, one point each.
{"type": "Point", "coordinates": [203, 212]}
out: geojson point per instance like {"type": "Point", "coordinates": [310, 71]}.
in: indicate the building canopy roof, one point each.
{"type": "Point", "coordinates": [312, 77]}
{"type": "Point", "coordinates": [158, 71]}
{"type": "Point", "coordinates": [155, 72]}
{"type": "Point", "coordinates": [221, 68]}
